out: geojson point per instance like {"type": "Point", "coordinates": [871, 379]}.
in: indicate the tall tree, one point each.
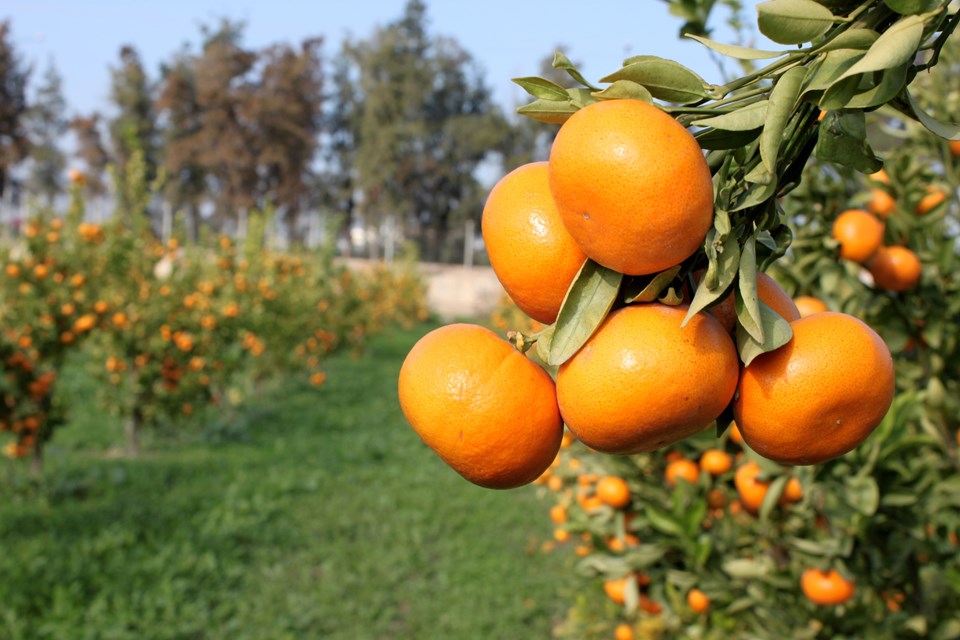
{"type": "Point", "coordinates": [179, 110]}
{"type": "Point", "coordinates": [47, 123]}
{"type": "Point", "coordinates": [91, 151]}
{"type": "Point", "coordinates": [426, 123]}
{"type": "Point", "coordinates": [285, 109]}
{"type": "Point", "coordinates": [14, 142]}
{"type": "Point", "coordinates": [134, 129]}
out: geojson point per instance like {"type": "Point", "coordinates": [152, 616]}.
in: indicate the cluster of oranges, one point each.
{"type": "Point", "coordinates": [603, 515]}
{"type": "Point", "coordinates": [860, 234]}
{"type": "Point", "coordinates": [628, 187]}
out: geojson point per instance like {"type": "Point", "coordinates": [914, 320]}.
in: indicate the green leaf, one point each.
{"type": "Point", "coordinates": [891, 83]}
{"type": "Point", "coordinates": [863, 494]}
{"type": "Point", "coordinates": [770, 499]}
{"type": "Point", "coordinates": [747, 118]}
{"type": "Point", "coordinates": [542, 88]}
{"type": "Point", "coordinates": [783, 99]}
{"type": "Point", "coordinates": [747, 297]}
{"type": "Point", "coordinates": [756, 195]}
{"type": "Point", "coordinates": [588, 301]}
{"type": "Point", "coordinates": [624, 89]}
{"type": "Point", "coordinates": [843, 139]}
{"type": "Point", "coordinates": [895, 46]}
{"type": "Point", "coordinates": [719, 139]}
{"type": "Point", "coordinates": [665, 79]}
{"type": "Point", "coordinates": [948, 130]}
{"type": "Point", "coordinates": [776, 332]}
{"type": "Point", "coordinates": [721, 270]}
{"type": "Point", "coordinates": [851, 39]}
{"type": "Point", "coordinates": [734, 51]}
{"type": "Point", "coordinates": [832, 66]}
{"type": "Point", "coordinates": [543, 342]}
{"type": "Point", "coordinates": [664, 522]}
{"type": "Point", "coordinates": [563, 63]}
{"type": "Point", "coordinates": [793, 21]}
{"type": "Point", "coordinates": [908, 7]}
{"type": "Point", "coordinates": [652, 289]}
{"type": "Point", "coordinates": [549, 111]}
{"type": "Point", "coordinates": [749, 569]}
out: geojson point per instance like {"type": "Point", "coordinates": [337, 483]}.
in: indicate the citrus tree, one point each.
{"type": "Point", "coordinates": [674, 196]}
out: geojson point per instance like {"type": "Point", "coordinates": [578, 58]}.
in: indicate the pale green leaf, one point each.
{"type": "Point", "coordinates": [793, 21]}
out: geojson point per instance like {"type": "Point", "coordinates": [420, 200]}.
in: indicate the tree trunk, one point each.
{"type": "Point", "coordinates": [133, 427]}
{"type": "Point", "coordinates": [36, 463]}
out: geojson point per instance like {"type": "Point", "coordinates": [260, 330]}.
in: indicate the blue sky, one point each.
{"type": "Point", "coordinates": [508, 37]}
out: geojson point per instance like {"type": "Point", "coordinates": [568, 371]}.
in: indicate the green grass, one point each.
{"type": "Point", "coordinates": [328, 518]}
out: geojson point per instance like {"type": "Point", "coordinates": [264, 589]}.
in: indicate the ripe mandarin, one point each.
{"type": "Point", "coordinates": [895, 268]}
{"type": "Point", "coordinates": [641, 382]}
{"type": "Point", "coordinates": [859, 233]}
{"type": "Point", "coordinates": [818, 396]}
{"type": "Point", "coordinates": [826, 588]}
{"type": "Point", "coordinates": [486, 409]}
{"type": "Point", "coordinates": [631, 185]}
{"type": "Point", "coordinates": [808, 305]}
{"type": "Point", "coordinates": [530, 250]}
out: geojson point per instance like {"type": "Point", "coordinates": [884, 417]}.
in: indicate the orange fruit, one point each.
{"type": "Point", "coordinates": [486, 409]}
{"type": "Point", "coordinates": [716, 462]}
{"type": "Point", "coordinates": [895, 268]}
{"type": "Point", "coordinates": [880, 176]}
{"type": "Point", "coordinates": [698, 601]}
{"type": "Point", "coordinates": [641, 382]}
{"type": "Point", "coordinates": [792, 492]}
{"type": "Point", "coordinates": [881, 203]}
{"type": "Point", "coordinates": [752, 491]}
{"type": "Point", "coordinates": [955, 148]}
{"type": "Point", "coordinates": [558, 514]}
{"type": "Point", "coordinates": [616, 589]}
{"type": "Point", "coordinates": [614, 492]}
{"type": "Point", "coordinates": [930, 201]}
{"type": "Point", "coordinates": [826, 588]}
{"type": "Point", "coordinates": [682, 470]}
{"type": "Point", "coordinates": [818, 396]}
{"type": "Point", "coordinates": [623, 632]}
{"type": "Point", "coordinates": [530, 251]}
{"type": "Point", "coordinates": [735, 436]}
{"type": "Point", "coordinates": [631, 185]}
{"type": "Point", "coordinates": [770, 293]}
{"type": "Point", "coordinates": [859, 233]}
{"type": "Point", "coordinates": [808, 305]}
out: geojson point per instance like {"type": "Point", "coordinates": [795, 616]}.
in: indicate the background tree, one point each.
{"type": "Point", "coordinates": [91, 151]}
{"type": "Point", "coordinates": [47, 123]}
{"type": "Point", "coordinates": [425, 124]}
{"type": "Point", "coordinates": [135, 126]}
{"type": "Point", "coordinates": [13, 107]}
{"type": "Point", "coordinates": [285, 110]}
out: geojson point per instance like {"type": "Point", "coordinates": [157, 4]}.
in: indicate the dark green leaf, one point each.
{"type": "Point", "coordinates": [756, 195]}
{"type": "Point", "coordinates": [895, 46]}
{"type": "Point", "coordinates": [721, 270]}
{"type": "Point", "coordinates": [793, 21]}
{"type": "Point", "coordinates": [746, 118]}
{"type": "Point", "coordinates": [624, 89]}
{"type": "Point", "coordinates": [948, 130]}
{"type": "Point", "coordinates": [663, 522]}
{"type": "Point", "coordinates": [908, 7]}
{"type": "Point", "coordinates": [563, 63]}
{"type": "Point", "coordinates": [843, 139]}
{"type": "Point", "coordinates": [734, 51]}
{"type": "Point", "coordinates": [654, 287]}
{"type": "Point", "coordinates": [748, 300]}
{"type": "Point", "coordinates": [839, 93]}
{"type": "Point", "coordinates": [776, 332]}
{"type": "Point", "coordinates": [665, 79]}
{"type": "Point", "coordinates": [542, 88]}
{"type": "Point", "coordinates": [720, 139]}
{"type": "Point", "coordinates": [783, 99]}
{"type": "Point", "coordinates": [549, 111]}
{"type": "Point", "coordinates": [891, 83]}
{"type": "Point", "coordinates": [585, 307]}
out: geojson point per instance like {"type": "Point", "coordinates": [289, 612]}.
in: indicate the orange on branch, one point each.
{"type": "Point", "coordinates": [895, 268]}
{"type": "Point", "coordinates": [641, 382]}
{"type": "Point", "coordinates": [486, 409]}
{"type": "Point", "coordinates": [818, 396]}
{"type": "Point", "coordinates": [613, 491]}
{"type": "Point", "coordinates": [632, 186]}
{"type": "Point", "coordinates": [826, 588]}
{"type": "Point", "coordinates": [859, 233]}
{"type": "Point", "coordinates": [530, 250]}
{"type": "Point", "coordinates": [808, 305]}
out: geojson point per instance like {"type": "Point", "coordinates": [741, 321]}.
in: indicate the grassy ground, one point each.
{"type": "Point", "coordinates": [321, 515]}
